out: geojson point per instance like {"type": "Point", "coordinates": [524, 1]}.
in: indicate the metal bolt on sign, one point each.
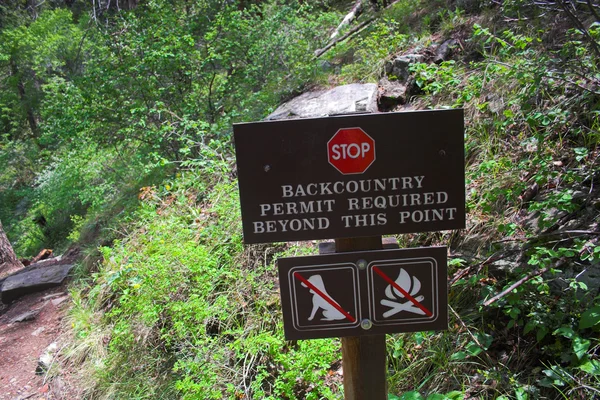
{"type": "Point", "coordinates": [366, 324]}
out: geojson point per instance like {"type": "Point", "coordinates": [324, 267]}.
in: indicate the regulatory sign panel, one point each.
{"type": "Point", "coordinates": [312, 311]}
{"type": "Point", "coordinates": [416, 299]}
{"type": "Point", "coordinates": [351, 176]}
{"type": "Point", "coordinates": [364, 293]}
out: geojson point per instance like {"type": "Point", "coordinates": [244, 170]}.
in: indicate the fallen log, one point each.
{"type": "Point", "coordinates": [353, 14]}
{"type": "Point", "coordinates": [357, 29]}
{"type": "Point", "coordinates": [42, 255]}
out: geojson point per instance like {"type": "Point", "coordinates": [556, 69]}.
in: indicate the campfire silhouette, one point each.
{"type": "Point", "coordinates": [412, 286]}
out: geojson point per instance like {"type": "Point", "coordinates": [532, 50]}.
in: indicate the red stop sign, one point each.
{"type": "Point", "coordinates": [351, 151]}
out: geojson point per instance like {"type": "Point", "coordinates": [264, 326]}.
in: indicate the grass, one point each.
{"type": "Point", "coordinates": [180, 301]}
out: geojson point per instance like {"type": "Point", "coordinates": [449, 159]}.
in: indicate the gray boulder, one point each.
{"type": "Point", "coordinates": [33, 280]}
{"type": "Point", "coordinates": [399, 67]}
{"type": "Point", "coordinates": [444, 51]}
{"type": "Point", "coordinates": [26, 316]}
{"type": "Point", "coordinates": [347, 99]}
{"type": "Point", "coordinates": [392, 93]}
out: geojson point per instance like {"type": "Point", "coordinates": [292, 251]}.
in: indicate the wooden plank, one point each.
{"type": "Point", "coordinates": [389, 243]}
{"type": "Point", "coordinates": [363, 357]}
{"type": "Point", "coordinates": [364, 364]}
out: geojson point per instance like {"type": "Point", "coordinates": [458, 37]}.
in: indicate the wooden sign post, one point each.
{"type": "Point", "coordinates": [364, 363]}
{"type": "Point", "coordinates": [363, 357]}
{"type": "Point", "coordinates": [360, 291]}
{"type": "Point", "coordinates": [355, 178]}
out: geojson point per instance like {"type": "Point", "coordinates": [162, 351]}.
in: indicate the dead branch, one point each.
{"type": "Point", "coordinates": [550, 234]}
{"type": "Point", "coordinates": [580, 27]}
{"type": "Point", "coordinates": [462, 272]}
{"type": "Point", "coordinates": [564, 79]}
{"type": "Point", "coordinates": [568, 232]}
{"type": "Point", "coordinates": [351, 32]}
{"type": "Point", "coordinates": [351, 16]}
{"type": "Point", "coordinates": [514, 286]}
{"type": "Point", "coordinates": [473, 337]}
{"type": "Point", "coordinates": [553, 75]}
{"type": "Point", "coordinates": [593, 10]}
{"type": "Point", "coordinates": [357, 29]}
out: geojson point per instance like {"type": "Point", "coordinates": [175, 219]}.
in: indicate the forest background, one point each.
{"type": "Point", "coordinates": [115, 138]}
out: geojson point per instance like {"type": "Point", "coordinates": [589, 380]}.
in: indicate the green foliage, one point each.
{"type": "Point", "coordinates": [381, 39]}
{"type": "Point", "coordinates": [524, 127]}
{"type": "Point", "coordinates": [103, 114]}
{"type": "Point", "coordinates": [434, 78]}
{"type": "Point", "coordinates": [29, 55]}
{"type": "Point", "coordinates": [89, 112]}
{"type": "Point", "coordinates": [412, 395]}
{"type": "Point", "coordinates": [363, 58]}
{"type": "Point", "coordinates": [590, 318]}
{"type": "Point", "coordinates": [186, 304]}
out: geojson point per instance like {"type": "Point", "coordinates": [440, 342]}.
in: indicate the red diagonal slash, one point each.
{"type": "Point", "coordinates": [404, 292]}
{"type": "Point", "coordinates": [325, 297]}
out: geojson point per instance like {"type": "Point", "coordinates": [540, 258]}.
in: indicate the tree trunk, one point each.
{"type": "Point", "coordinates": [31, 119]}
{"type": "Point", "coordinates": [8, 258]}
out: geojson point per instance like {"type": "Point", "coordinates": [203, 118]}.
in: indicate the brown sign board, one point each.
{"type": "Point", "coordinates": [351, 176]}
{"type": "Point", "coordinates": [364, 293]}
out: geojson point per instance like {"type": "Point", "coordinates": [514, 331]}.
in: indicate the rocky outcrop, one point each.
{"type": "Point", "coordinates": [398, 84]}
{"type": "Point", "coordinates": [32, 279]}
{"type": "Point", "coordinates": [399, 67]}
{"type": "Point", "coordinates": [347, 99]}
{"type": "Point", "coordinates": [394, 89]}
{"type": "Point", "coordinates": [444, 51]}
{"type": "Point", "coordinates": [391, 93]}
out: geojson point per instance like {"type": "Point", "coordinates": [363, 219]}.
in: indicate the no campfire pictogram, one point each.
{"type": "Point", "coordinates": [405, 291]}
{"type": "Point", "coordinates": [402, 293]}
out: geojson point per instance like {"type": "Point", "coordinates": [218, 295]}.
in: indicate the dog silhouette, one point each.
{"type": "Point", "coordinates": [330, 313]}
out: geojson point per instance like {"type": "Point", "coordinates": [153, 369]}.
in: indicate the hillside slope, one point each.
{"type": "Point", "coordinates": [134, 137]}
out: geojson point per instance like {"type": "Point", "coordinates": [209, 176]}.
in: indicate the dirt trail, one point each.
{"type": "Point", "coordinates": [22, 344]}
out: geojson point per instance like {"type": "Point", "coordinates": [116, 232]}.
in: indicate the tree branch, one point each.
{"type": "Point", "coordinates": [352, 32]}
{"type": "Point", "coordinates": [550, 234]}
{"type": "Point", "coordinates": [593, 10]}
{"type": "Point", "coordinates": [556, 75]}
{"type": "Point", "coordinates": [491, 259]}
{"type": "Point", "coordinates": [514, 286]}
{"type": "Point", "coordinates": [580, 26]}
{"type": "Point", "coordinates": [353, 14]}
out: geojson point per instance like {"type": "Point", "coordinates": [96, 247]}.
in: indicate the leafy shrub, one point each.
{"type": "Point", "coordinates": [185, 302]}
